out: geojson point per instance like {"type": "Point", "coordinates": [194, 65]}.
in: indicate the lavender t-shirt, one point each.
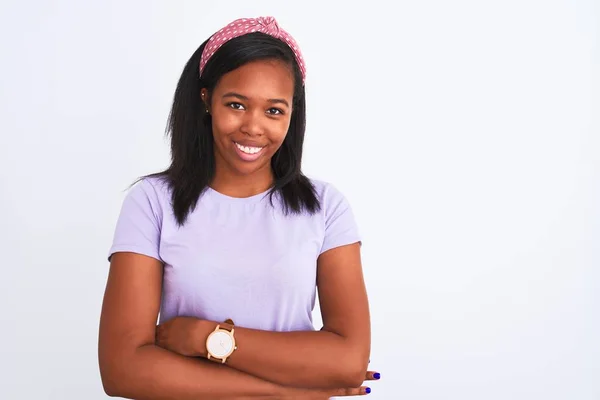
{"type": "Point", "coordinates": [237, 258]}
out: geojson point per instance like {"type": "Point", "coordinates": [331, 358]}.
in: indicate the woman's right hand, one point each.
{"type": "Point", "coordinates": [325, 394]}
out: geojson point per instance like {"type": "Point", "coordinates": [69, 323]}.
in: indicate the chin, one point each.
{"type": "Point", "coordinates": [249, 168]}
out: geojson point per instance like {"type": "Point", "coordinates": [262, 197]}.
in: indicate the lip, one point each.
{"type": "Point", "coordinates": [248, 157]}
{"type": "Point", "coordinates": [249, 144]}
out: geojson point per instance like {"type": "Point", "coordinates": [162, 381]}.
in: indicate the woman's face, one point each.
{"type": "Point", "coordinates": [251, 109]}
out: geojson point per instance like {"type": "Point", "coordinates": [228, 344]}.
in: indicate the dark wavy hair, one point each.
{"type": "Point", "coordinates": [189, 126]}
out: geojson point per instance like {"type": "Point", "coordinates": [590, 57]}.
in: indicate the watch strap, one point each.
{"type": "Point", "coordinates": [227, 325]}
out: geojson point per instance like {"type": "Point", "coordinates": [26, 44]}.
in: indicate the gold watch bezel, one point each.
{"type": "Point", "coordinates": [219, 329]}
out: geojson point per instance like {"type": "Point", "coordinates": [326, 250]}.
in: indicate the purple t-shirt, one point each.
{"type": "Point", "coordinates": [237, 258]}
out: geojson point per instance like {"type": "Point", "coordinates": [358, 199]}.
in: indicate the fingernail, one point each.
{"type": "Point", "coordinates": [376, 375]}
{"type": "Point", "coordinates": [368, 390]}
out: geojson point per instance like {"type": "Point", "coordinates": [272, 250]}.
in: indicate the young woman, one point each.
{"type": "Point", "coordinates": [231, 242]}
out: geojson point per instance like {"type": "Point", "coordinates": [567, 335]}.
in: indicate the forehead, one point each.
{"type": "Point", "coordinates": [264, 78]}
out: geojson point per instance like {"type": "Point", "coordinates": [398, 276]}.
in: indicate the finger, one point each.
{"type": "Point", "coordinates": [359, 391]}
{"type": "Point", "coordinates": [372, 376]}
{"type": "Point", "coordinates": [158, 336]}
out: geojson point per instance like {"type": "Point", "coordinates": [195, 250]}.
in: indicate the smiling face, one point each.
{"type": "Point", "coordinates": [251, 108]}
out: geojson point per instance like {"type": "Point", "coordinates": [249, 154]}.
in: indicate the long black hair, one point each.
{"type": "Point", "coordinates": [189, 125]}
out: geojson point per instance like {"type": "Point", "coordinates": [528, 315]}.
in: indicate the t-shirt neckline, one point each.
{"type": "Point", "coordinates": [240, 200]}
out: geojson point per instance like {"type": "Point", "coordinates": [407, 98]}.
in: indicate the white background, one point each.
{"type": "Point", "coordinates": [465, 134]}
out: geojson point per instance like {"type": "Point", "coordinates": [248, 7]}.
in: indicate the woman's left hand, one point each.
{"type": "Point", "coordinates": [182, 335]}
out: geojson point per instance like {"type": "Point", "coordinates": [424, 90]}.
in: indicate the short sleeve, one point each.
{"type": "Point", "coordinates": [340, 226]}
{"type": "Point", "coordinates": [139, 223]}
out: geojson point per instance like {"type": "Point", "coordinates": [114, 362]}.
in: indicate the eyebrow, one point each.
{"type": "Point", "coordinates": [242, 97]}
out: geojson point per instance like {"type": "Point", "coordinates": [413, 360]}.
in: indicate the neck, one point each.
{"type": "Point", "coordinates": [231, 184]}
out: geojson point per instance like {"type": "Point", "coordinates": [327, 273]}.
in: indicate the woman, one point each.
{"type": "Point", "coordinates": [231, 242]}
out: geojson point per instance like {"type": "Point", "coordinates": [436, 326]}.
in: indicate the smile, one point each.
{"type": "Point", "coordinates": [248, 149]}
{"type": "Point", "coordinates": [248, 153]}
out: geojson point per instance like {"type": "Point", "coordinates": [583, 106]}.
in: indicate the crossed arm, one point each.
{"type": "Point", "coordinates": [266, 364]}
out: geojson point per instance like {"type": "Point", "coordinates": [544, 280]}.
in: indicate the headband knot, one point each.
{"type": "Point", "coordinates": [270, 25]}
{"type": "Point", "coordinates": [243, 26]}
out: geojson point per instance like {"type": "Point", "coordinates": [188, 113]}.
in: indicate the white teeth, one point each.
{"type": "Point", "coordinates": [249, 150]}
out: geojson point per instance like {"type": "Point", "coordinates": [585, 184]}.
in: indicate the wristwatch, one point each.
{"type": "Point", "coordinates": [221, 342]}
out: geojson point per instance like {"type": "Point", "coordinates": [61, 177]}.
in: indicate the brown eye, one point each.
{"type": "Point", "coordinates": [235, 106]}
{"type": "Point", "coordinates": [275, 111]}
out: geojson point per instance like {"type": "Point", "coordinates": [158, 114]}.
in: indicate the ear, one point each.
{"type": "Point", "coordinates": [205, 98]}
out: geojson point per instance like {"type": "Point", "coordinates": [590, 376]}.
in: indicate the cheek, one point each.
{"type": "Point", "coordinates": [224, 125]}
{"type": "Point", "coordinates": [278, 136]}
{"type": "Point", "coordinates": [279, 131]}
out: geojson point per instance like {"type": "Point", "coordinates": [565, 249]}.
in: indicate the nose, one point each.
{"type": "Point", "coordinates": [252, 123]}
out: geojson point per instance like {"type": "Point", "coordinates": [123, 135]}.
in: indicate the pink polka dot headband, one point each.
{"type": "Point", "coordinates": [244, 26]}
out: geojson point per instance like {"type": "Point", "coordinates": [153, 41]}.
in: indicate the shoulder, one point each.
{"type": "Point", "coordinates": [151, 193]}
{"type": "Point", "coordinates": [340, 227]}
{"type": "Point", "coordinates": [139, 225]}
{"type": "Point", "coordinates": [154, 184]}
{"type": "Point", "coordinates": [327, 193]}
{"type": "Point", "coordinates": [152, 188]}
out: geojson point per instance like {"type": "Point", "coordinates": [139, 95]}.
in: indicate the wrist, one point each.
{"type": "Point", "coordinates": [203, 329]}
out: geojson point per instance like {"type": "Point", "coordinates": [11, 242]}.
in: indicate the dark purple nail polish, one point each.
{"type": "Point", "coordinates": [368, 390]}
{"type": "Point", "coordinates": [376, 375]}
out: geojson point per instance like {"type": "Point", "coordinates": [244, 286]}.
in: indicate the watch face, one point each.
{"type": "Point", "coordinates": [219, 344]}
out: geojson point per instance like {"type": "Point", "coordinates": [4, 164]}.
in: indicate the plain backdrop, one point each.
{"type": "Point", "coordinates": [465, 135]}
